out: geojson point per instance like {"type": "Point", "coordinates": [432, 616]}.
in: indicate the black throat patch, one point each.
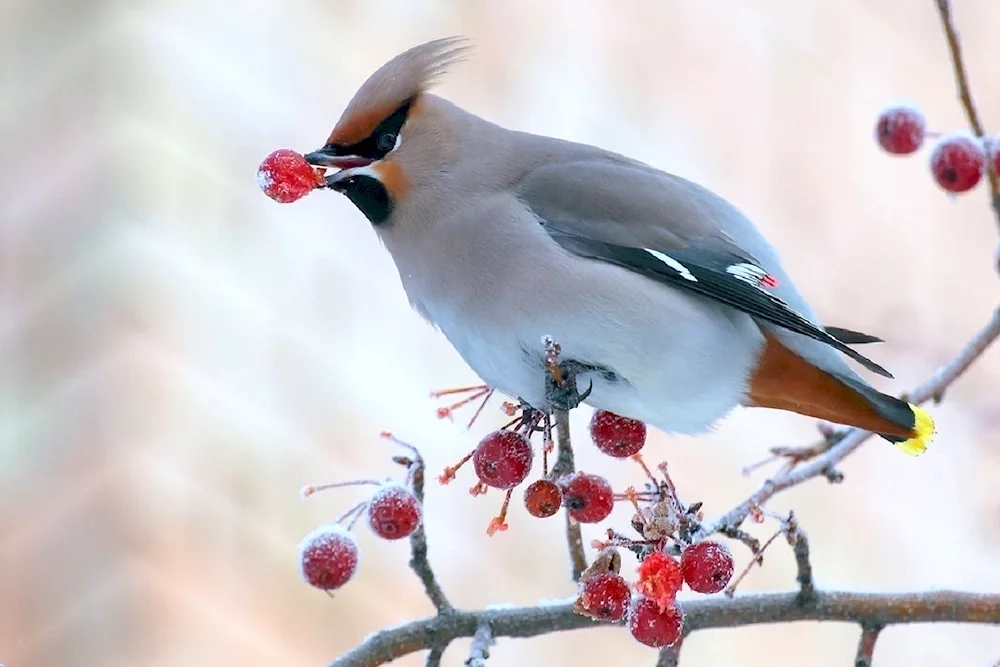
{"type": "Point", "coordinates": [368, 194]}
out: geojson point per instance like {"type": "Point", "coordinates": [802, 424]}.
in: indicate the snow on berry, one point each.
{"type": "Point", "coordinates": [503, 459]}
{"type": "Point", "coordinates": [900, 130]}
{"type": "Point", "coordinates": [617, 436]}
{"type": "Point", "coordinates": [653, 626]}
{"type": "Point", "coordinates": [993, 153]}
{"type": "Point", "coordinates": [587, 498]}
{"type": "Point", "coordinates": [958, 162]}
{"type": "Point", "coordinates": [542, 498]}
{"type": "Point", "coordinates": [707, 567]}
{"type": "Point", "coordinates": [393, 512]}
{"type": "Point", "coordinates": [605, 596]}
{"type": "Point", "coordinates": [285, 176]}
{"type": "Point", "coordinates": [659, 578]}
{"type": "Point", "coordinates": [328, 557]}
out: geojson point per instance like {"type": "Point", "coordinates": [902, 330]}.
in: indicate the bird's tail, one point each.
{"type": "Point", "coordinates": [786, 381]}
{"type": "Point", "coordinates": [915, 426]}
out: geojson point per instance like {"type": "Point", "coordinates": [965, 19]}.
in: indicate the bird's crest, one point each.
{"type": "Point", "coordinates": [401, 79]}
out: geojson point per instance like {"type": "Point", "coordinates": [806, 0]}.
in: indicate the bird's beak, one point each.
{"type": "Point", "coordinates": [325, 157]}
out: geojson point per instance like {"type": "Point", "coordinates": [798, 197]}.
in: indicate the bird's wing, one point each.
{"type": "Point", "coordinates": [678, 233]}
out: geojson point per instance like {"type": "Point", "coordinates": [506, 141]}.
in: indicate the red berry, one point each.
{"type": "Point", "coordinates": [617, 436]}
{"type": "Point", "coordinates": [605, 596]}
{"type": "Point", "coordinates": [587, 498]}
{"type": "Point", "coordinates": [503, 459]}
{"type": "Point", "coordinates": [393, 512]}
{"type": "Point", "coordinates": [900, 130]}
{"type": "Point", "coordinates": [653, 626]}
{"type": "Point", "coordinates": [542, 498]}
{"type": "Point", "coordinates": [707, 566]}
{"type": "Point", "coordinates": [328, 557]}
{"type": "Point", "coordinates": [958, 162]}
{"type": "Point", "coordinates": [285, 176]}
{"type": "Point", "coordinates": [659, 578]}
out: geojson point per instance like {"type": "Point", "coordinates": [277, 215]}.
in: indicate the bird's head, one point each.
{"type": "Point", "coordinates": [390, 138]}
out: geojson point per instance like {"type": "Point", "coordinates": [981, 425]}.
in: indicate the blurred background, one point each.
{"type": "Point", "coordinates": [180, 354]}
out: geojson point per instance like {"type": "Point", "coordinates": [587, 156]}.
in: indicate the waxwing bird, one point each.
{"type": "Point", "coordinates": [668, 303]}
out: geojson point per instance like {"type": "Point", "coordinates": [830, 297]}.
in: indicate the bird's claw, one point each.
{"type": "Point", "coordinates": [565, 395]}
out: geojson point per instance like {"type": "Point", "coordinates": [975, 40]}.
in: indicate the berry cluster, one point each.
{"type": "Point", "coordinates": [285, 176]}
{"type": "Point", "coordinates": [504, 458]}
{"type": "Point", "coordinates": [329, 554]}
{"type": "Point", "coordinates": [958, 160]}
{"type": "Point", "coordinates": [649, 607]}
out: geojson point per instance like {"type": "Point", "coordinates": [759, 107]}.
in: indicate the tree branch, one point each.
{"type": "Point", "coordinates": [418, 551]}
{"type": "Point", "coordinates": [965, 95]}
{"type": "Point", "coordinates": [871, 609]}
{"type": "Point", "coordinates": [931, 389]}
{"type": "Point", "coordinates": [565, 465]}
{"type": "Point", "coordinates": [434, 656]}
{"type": "Point", "coordinates": [866, 645]}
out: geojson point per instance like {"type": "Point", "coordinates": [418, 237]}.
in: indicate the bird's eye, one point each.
{"type": "Point", "coordinates": [386, 141]}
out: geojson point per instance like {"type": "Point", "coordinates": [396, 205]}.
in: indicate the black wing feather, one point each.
{"type": "Point", "coordinates": [708, 267]}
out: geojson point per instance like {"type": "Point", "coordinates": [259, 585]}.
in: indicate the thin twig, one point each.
{"type": "Point", "coordinates": [565, 465]}
{"type": "Point", "coordinates": [965, 95]}
{"type": "Point", "coordinates": [671, 655]}
{"type": "Point", "coordinates": [481, 643]}
{"type": "Point", "coordinates": [418, 550]}
{"type": "Point", "coordinates": [932, 389]}
{"type": "Point", "coordinates": [866, 645]}
{"type": "Point", "coordinates": [743, 610]}
{"type": "Point", "coordinates": [800, 547]}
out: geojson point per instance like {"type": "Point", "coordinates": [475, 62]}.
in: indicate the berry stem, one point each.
{"type": "Point", "coordinates": [353, 514]}
{"type": "Point", "coordinates": [310, 489]}
{"type": "Point", "coordinates": [447, 411]}
{"type": "Point", "coordinates": [479, 410]}
{"type": "Point", "coordinates": [499, 522]}
{"type": "Point", "coordinates": [479, 389]}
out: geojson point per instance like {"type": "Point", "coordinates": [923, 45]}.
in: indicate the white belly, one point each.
{"type": "Point", "coordinates": [678, 375]}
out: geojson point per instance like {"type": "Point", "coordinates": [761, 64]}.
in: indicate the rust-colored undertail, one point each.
{"type": "Point", "coordinates": [786, 381]}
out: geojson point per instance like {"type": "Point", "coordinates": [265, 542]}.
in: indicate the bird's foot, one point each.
{"type": "Point", "coordinates": [561, 389]}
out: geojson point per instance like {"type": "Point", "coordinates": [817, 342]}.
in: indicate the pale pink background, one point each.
{"type": "Point", "coordinates": [181, 354]}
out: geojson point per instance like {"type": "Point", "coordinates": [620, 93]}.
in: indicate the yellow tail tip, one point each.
{"type": "Point", "coordinates": [923, 427]}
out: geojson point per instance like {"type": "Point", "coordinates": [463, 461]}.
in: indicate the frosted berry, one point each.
{"type": "Point", "coordinates": [707, 567]}
{"type": "Point", "coordinates": [587, 498]}
{"type": "Point", "coordinates": [542, 498]}
{"type": "Point", "coordinates": [394, 512]}
{"type": "Point", "coordinates": [958, 163]}
{"type": "Point", "coordinates": [659, 578]}
{"type": "Point", "coordinates": [605, 596]}
{"type": "Point", "coordinates": [653, 626]}
{"type": "Point", "coordinates": [285, 176]}
{"type": "Point", "coordinates": [617, 436]}
{"type": "Point", "coordinates": [900, 130]}
{"type": "Point", "coordinates": [328, 557]}
{"type": "Point", "coordinates": [503, 459]}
